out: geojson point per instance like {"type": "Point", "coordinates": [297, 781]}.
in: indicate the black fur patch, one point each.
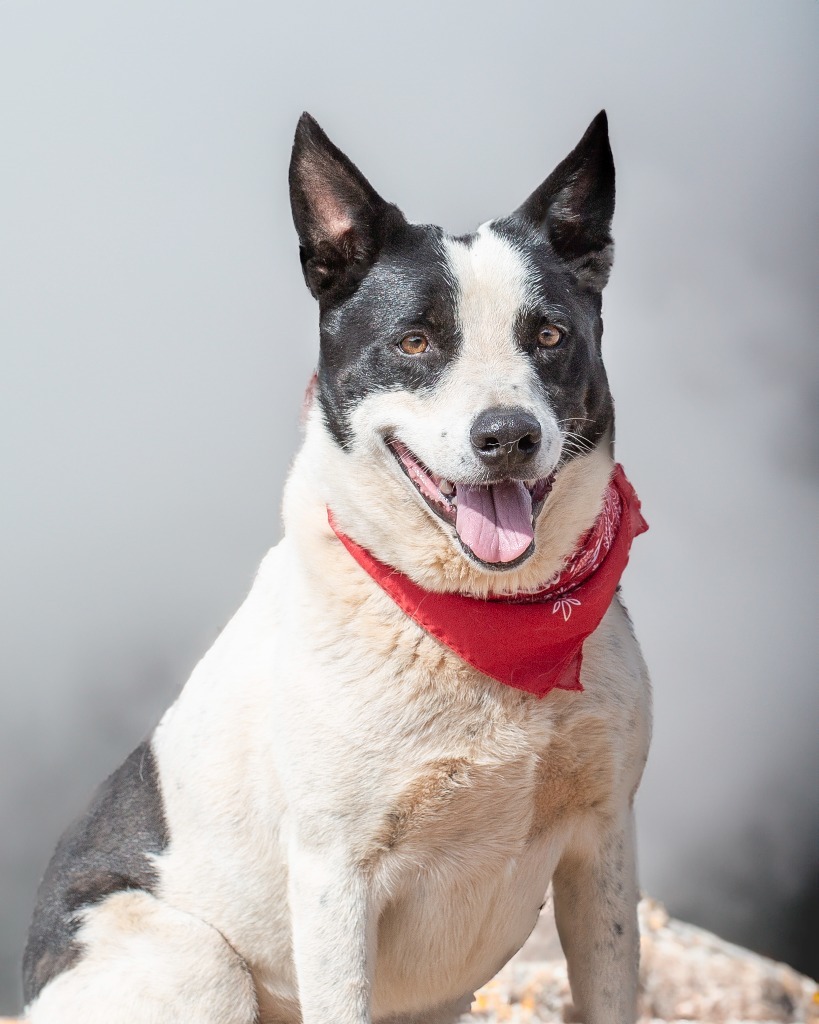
{"type": "Point", "coordinates": [572, 374]}
{"type": "Point", "coordinates": [408, 288]}
{"type": "Point", "coordinates": [574, 206]}
{"type": "Point", "coordinates": [103, 852]}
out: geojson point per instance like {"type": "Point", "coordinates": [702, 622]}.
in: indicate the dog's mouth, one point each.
{"type": "Point", "coordinates": [494, 523]}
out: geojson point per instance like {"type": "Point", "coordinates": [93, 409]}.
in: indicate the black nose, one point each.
{"type": "Point", "coordinates": [505, 439]}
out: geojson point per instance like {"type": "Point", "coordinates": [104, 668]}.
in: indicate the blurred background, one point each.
{"type": "Point", "coordinates": [156, 339]}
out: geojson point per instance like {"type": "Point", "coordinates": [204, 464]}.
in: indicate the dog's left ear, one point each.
{"type": "Point", "coordinates": [341, 221]}
{"type": "Point", "coordinates": [575, 204]}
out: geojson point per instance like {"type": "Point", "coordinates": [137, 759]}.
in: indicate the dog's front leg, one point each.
{"type": "Point", "coordinates": [595, 893]}
{"type": "Point", "coordinates": [333, 936]}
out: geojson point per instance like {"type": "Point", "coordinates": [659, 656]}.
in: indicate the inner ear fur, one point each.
{"type": "Point", "coordinates": [341, 221]}
{"type": "Point", "coordinates": [574, 207]}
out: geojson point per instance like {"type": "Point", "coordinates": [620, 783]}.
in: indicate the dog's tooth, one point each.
{"type": "Point", "coordinates": [530, 483]}
{"type": "Point", "coordinates": [446, 487]}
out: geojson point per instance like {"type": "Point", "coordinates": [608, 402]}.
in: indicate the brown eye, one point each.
{"type": "Point", "coordinates": [549, 336]}
{"type": "Point", "coordinates": [413, 344]}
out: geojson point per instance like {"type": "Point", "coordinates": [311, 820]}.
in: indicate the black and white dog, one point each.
{"type": "Point", "coordinates": [348, 816]}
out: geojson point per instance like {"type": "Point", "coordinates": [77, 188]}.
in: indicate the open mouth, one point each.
{"type": "Point", "coordinates": [495, 523]}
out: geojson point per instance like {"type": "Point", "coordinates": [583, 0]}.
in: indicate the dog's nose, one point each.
{"type": "Point", "coordinates": [505, 439]}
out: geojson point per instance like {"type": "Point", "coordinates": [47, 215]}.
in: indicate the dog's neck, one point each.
{"type": "Point", "coordinates": [378, 511]}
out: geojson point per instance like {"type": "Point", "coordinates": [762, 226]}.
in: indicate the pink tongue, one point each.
{"type": "Point", "coordinates": [495, 522]}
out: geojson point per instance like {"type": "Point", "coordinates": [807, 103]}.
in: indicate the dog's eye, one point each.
{"type": "Point", "coordinates": [413, 344]}
{"type": "Point", "coordinates": [549, 336]}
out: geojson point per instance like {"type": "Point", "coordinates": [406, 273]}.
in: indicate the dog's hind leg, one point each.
{"type": "Point", "coordinates": [141, 962]}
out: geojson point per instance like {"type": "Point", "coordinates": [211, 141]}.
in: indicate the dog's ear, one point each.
{"type": "Point", "coordinates": [574, 206]}
{"type": "Point", "coordinates": [342, 222]}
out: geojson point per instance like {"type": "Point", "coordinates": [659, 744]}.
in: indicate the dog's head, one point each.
{"type": "Point", "coordinates": [461, 385]}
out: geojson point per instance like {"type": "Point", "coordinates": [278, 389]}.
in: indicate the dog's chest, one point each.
{"type": "Point", "coordinates": [454, 795]}
{"type": "Point", "coordinates": [541, 769]}
{"type": "Point", "coordinates": [463, 858]}
{"type": "Point", "coordinates": [473, 790]}
{"type": "Point", "coordinates": [446, 753]}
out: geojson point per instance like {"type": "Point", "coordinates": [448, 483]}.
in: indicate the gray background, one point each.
{"type": "Point", "coordinates": [157, 337]}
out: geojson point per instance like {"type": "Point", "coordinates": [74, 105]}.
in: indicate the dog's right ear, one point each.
{"type": "Point", "coordinates": [575, 205]}
{"type": "Point", "coordinates": [342, 222]}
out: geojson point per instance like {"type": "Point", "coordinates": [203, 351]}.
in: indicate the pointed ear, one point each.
{"type": "Point", "coordinates": [341, 220]}
{"type": "Point", "coordinates": [574, 206]}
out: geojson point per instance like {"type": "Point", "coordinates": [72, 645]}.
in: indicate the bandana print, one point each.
{"type": "Point", "coordinates": [541, 632]}
{"type": "Point", "coordinates": [585, 560]}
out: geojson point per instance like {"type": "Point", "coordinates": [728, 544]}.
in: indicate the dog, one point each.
{"type": "Point", "coordinates": [354, 809]}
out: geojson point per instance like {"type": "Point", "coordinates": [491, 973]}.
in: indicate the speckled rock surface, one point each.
{"type": "Point", "coordinates": [686, 974]}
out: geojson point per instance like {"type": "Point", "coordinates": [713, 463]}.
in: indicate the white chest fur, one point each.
{"type": "Point", "coordinates": [328, 714]}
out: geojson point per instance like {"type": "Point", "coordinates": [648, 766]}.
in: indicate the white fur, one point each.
{"type": "Point", "coordinates": [359, 821]}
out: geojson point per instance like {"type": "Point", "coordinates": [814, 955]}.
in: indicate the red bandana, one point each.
{"type": "Point", "coordinates": [533, 640]}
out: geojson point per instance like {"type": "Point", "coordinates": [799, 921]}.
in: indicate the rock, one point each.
{"type": "Point", "coordinates": [686, 974]}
